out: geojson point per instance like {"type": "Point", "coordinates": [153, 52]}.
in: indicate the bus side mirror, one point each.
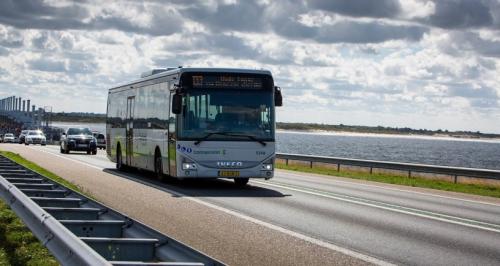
{"type": "Point", "coordinates": [278, 98]}
{"type": "Point", "coordinates": [177, 104]}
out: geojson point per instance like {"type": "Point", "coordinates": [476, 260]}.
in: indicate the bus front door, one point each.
{"type": "Point", "coordinates": [129, 138]}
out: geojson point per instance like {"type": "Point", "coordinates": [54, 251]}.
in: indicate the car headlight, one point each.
{"type": "Point", "coordinates": [267, 166]}
{"type": "Point", "coordinates": [188, 166]}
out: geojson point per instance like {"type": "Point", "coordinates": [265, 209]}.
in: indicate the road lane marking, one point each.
{"type": "Point", "coordinates": [283, 230]}
{"type": "Point", "coordinates": [288, 172]}
{"type": "Point", "coordinates": [355, 200]}
{"type": "Point", "coordinates": [390, 207]}
{"type": "Point", "coordinates": [70, 159]}
{"type": "Point", "coordinates": [388, 188]}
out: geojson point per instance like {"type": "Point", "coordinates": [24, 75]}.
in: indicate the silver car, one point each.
{"type": "Point", "coordinates": [9, 138]}
{"type": "Point", "coordinates": [35, 137]}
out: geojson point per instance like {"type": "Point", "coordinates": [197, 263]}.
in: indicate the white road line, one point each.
{"type": "Point", "coordinates": [350, 183]}
{"type": "Point", "coordinates": [309, 239]}
{"type": "Point", "coordinates": [394, 189]}
{"type": "Point", "coordinates": [452, 219]}
{"type": "Point", "coordinates": [295, 234]}
{"type": "Point", "coordinates": [70, 159]}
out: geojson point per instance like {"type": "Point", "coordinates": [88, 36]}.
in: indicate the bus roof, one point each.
{"type": "Point", "coordinates": [181, 70]}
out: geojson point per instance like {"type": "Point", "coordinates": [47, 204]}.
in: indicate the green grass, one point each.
{"type": "Point", "coordinates": [18, 246]}
{"type": "Point", "coordinates": [42, 171]}
{"type": "Point", "coordinates": [476, 189]}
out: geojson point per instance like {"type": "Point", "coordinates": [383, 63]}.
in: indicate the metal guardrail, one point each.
{"type": "Point", "coordinates": [407, 167]}
{"type": "Point", "coordinates": [80, 231]}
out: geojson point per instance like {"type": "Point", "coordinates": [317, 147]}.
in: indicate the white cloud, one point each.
{"type": "Point", "coordinates": [336, 63]}
{"type": "Point", "coordinates": [412, 9]}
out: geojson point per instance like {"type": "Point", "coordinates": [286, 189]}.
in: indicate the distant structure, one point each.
{"type": "Point", "coordinates": [19, 113]}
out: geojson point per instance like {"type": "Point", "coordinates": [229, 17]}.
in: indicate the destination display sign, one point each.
{"type": "Point", "coordinates": [226, 81]}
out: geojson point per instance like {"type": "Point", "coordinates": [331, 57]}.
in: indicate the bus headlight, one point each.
{"type": "Point", "coordinates": [267, 166]}
{"type": "Point", "coordinates": [188, 166]}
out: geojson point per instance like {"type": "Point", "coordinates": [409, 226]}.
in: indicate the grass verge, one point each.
{"type": "Point", "coordinates": [476, 189]}
{"type": "Point", "coordinates": [18, 246]}
{"type": "Point", "coordinates": [36, 168]}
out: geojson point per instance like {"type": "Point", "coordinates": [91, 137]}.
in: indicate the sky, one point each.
{"type": "Point", "coordinates": [407, 63]}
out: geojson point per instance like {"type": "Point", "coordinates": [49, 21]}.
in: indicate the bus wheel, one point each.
{"type": "Point", "coordinates": [241, 181]}
{"type": "Point", "coordinates": [158, 166]}
{"type": "Point", "coordinates": [119, 162]}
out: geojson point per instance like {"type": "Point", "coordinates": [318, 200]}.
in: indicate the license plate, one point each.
{"type": "Point", "coordinates": [229, 173]}
{"type": "Point", "coordinates": [82, 145]}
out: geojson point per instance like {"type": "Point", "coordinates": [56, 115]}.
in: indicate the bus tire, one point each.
{"type": "Point", "coordinates": [241, 181]}
{"type": "Point", "coordinates": [119, 159]}
{"type": "Point", "coordinates": [158, 166]}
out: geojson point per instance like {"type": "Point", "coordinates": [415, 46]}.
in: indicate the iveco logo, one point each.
{"type": "Point", "coordinates": [229, 164]}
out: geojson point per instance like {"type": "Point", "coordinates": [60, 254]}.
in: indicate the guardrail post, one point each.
{"type": "Point", "coordinates": [455, 179]}
{"type": "Point", "coordinates": [371, 170]}
{"type": "Point", "coordinates": [311, 164]}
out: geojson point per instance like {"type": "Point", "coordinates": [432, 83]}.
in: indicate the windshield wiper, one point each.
{"type": "Point", "coordinates": [210, 134]}
{"type": "Point", "coordinates": [250, 137]}
{"type": "Point", "coordinates": [229, 134]}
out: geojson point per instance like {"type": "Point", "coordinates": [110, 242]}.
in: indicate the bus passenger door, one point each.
{"type": "Point", "coordinates": [172, 165]}
{"type": "Point", "coordinates": [129, 138]}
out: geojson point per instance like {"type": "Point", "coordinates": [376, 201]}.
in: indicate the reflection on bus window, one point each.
{"type": "Point", "coordinates": [242, 112]}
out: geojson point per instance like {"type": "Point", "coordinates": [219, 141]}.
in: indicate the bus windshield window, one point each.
{"type": "Point", "coordinates": [243, 112]}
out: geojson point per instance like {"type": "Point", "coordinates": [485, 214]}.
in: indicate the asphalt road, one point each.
{"type": "Point", "coordinates": [367, 221]}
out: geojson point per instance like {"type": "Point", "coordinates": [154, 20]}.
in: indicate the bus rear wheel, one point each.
{"type": "Point", "coordinates": [158, 166]}
{"type": "Point", "coordinates": [241, 181]}
{"type": "Point", "coordinates": [119, 161]}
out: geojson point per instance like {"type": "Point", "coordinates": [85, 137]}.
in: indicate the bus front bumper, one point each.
{"type": "Point", "coordinates": [225, 173]}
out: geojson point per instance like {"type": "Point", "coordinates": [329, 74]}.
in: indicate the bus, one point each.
{"type": "Point", "coordinates": [195, 123]}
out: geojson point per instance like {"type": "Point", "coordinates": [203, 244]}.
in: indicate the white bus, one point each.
{"type": "Point", "coordinates": [195, 123]}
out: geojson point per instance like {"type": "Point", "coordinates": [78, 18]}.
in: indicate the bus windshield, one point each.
{"type": "Point", "coordinates": [238, 114]}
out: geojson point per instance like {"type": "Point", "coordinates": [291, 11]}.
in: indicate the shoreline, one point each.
{"type": "Point", "coordinates": [449, 137]}
{"type": "Point", "coordinates": [387, 135]}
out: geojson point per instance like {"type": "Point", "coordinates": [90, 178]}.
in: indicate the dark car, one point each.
{"type": "Point", "coordinates": [78, 139]}
{"type": "Point", "coordinates": [101, 140]}
{"type": "Point", "coordinates": [22, 136]}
